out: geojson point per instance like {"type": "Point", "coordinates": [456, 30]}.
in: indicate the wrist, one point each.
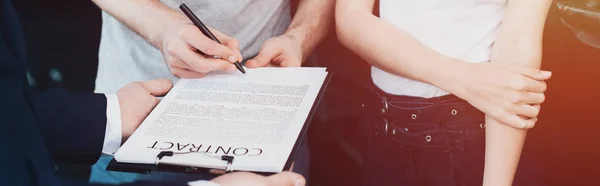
{"type": "Point", "coordinates": [449, 74]}
{"type": "Point", "coordinates": [496, 182]}
{"type": "Point", "coordinates": [113, 133]}
{"type": "Point", "coordinates": [172, 23]}
{"type": "Point", "coordinates": [299, 36]}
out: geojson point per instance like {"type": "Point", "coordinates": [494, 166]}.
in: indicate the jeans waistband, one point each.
{"type": "Point", "coordinates": [422, 122]}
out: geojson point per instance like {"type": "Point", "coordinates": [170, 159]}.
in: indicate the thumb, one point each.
{"type": "Point", "coordinates": [263, 58]}
{"type": "Point", "coordinates": [157, 87]}
{"type": "Point", "coordinates": [286, 179]}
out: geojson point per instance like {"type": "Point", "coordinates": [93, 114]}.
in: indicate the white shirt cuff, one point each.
{"type": "Point", "coordinates": [112, 135]}
{"type": "Point", "coordinates": [203, 183]}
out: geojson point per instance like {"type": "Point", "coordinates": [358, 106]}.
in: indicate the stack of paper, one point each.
{"type": "Point", "coordinates": [254, 117]}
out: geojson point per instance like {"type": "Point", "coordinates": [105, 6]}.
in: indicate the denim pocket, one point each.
{"type": "Point", "coordinates": [415, 135]}
{"type": "Point", "coordinates": [472, 130]}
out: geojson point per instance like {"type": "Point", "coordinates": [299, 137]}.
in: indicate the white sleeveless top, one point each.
{"type": "Point", "coordinates": [461, 29]}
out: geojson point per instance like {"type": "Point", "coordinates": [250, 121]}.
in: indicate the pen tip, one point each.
{"type": "Point", "coordinates": [240, 67]}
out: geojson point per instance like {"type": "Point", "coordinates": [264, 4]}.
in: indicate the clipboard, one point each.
{"type": "Point", "coordinates": [113, 165]}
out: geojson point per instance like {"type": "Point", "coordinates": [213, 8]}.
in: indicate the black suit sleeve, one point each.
{"type": "Point", "coordinates": [73, 125]}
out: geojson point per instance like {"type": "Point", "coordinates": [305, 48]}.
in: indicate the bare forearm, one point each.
{"type": "Point", "coordinates": [312, 23]}
{"type": "Point", "coordinates": [503, 142]}
{"type": "Point", "coordinates": [518, 44]}
{"type": "Point", "coordinates": [502, 153]}
{"type": "Point", "coordinates": [148, 18]}
{"type": "Point", "coordinates": [390, 49]}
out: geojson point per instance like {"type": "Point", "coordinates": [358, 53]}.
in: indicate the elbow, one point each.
{"type": "Point", "coordinates": [340, 26]}
{"type": "Point", "coordinates": [528, 56]}
{"type": "Point", "coordinates": [348, 15]}
{"type": "Point", "coordinates": [344, 25]}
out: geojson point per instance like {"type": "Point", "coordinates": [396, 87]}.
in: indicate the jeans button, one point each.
{"type": "Point", "coordinates": [454, 112]}
{"type": "Point", "coordinates": [413, 116]}
{"type": "Point", "coordinates": [394, 131]}
{"type": "Point", "coordinates": [428, 138]}
{"type": "Point", "coordinates": [482, 125]}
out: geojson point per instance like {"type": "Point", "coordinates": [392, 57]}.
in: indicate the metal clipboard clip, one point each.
{"type": "Point", "coordinates": [226, 158]}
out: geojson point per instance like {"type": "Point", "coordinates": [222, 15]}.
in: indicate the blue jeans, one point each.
{"type": "Point", "coordinates": [101, 175]}
{"type": "Point", "coordinates": [429, 142]}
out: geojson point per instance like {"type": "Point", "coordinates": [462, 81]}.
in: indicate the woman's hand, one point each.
{"type": "Point", "coordinates": [511, 95]}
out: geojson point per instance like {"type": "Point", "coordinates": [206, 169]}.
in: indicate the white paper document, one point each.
{"type": "Point", "coordinates": [255, 117]}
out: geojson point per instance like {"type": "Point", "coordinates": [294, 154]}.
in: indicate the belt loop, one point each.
{"type": "Point", "coordinates": [384, 111]}
{"type": "Point", "coordinates": [386, 125]}
{"type": "Point", "coordinates": [385, 108]}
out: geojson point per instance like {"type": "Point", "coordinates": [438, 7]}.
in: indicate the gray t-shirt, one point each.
{"type": "Point", "coordinates": [125, 57]}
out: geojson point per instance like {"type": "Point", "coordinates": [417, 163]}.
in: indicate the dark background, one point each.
{"type": "Point", "coordinates": [64, 35]}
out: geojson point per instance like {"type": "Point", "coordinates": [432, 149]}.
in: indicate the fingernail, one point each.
{"type": "Point", "coordinates": [217, 57]}
{"type": "Point", "coordinates": [546, 73]}
{"type": "Point", "coordinates": [231, 70]}
{"type": "Point", "coordinates": [300, 182]}
{"type": "Point", "coordinates": [524, 125]}
{"type": "Point", "coordinates": [231, 59]}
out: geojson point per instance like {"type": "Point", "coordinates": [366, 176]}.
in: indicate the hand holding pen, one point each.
{"type": "Point", "coordinates": [190, 54]}
{"type": "Point", "coordinates": [208, 34]}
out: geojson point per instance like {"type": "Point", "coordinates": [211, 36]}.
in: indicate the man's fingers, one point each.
{"type": "Point", "coordinates": [194, 60]}
{"type": "Point", "coordinates": [201, 64]}
{"type": "Point", "coordinates": [219, 64]}
{"type": "Point", "coordinates": [290, 63]}
{"type": "Point", "coordinates": [286, 179]}
{"type": "Point", "coordinates": [181, 69]}
{"type": "Point", "coordinates": [220, 35]}
{"type": "Point", "coordinates": [197, 40]}
{"type": "Point", "coordinates": [228, 41]}
{"type": "Point", "coordinates": [173, 62]}
{"type": "Point", "coordinates": [158, 87]}
{"type": "Point", "coordinates": [263, 58]}
{"type": "Point", "coordinates": [186, 73]}
{"type": "Point", "coordinates": [234, 45]}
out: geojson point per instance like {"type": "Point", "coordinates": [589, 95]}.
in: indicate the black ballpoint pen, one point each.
{"type": "Point", "coordinates": [205, 30]}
